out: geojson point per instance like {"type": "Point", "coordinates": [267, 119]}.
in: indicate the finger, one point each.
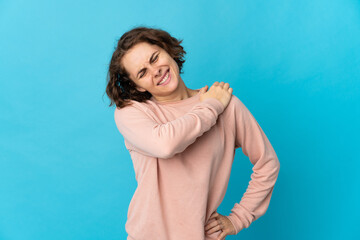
{"type": "Point", "coordinates": [203, 90]}
{"type": "Point", "coordinates": [214, 229]}
{"type": "Point", "coordinates": [226, 86]}
{"type": "Point", "coordinates": [210, 221]}
{"type": "Point", "coordinates": [216, 83]}
{"type": "Point", "coordinates": [211, 225]}
{"type": "Point", "coordinates": [213, 216]}
{"type": "Point", "coordinates": [230, 90]}
{"type": "Point", "coordinates": [221, 84]}
{"type": "Point", "coordinates": [222, 235]}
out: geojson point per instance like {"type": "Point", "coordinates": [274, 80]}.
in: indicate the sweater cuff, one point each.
{"type": "Point", "coordinates": [236, 231]}
{"type": "Point", "coordinates": [219, 107]}
{"type": "Point", "coordinates": [240, 218]}
{"type": "Point", "coordinates": [238, 227]}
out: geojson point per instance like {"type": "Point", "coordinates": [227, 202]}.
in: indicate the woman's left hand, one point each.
{"type": "Point", "coordinates": [218, 222]}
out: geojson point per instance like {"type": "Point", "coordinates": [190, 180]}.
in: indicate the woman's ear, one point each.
{"type": "Point", "coordinates": [140, 89]}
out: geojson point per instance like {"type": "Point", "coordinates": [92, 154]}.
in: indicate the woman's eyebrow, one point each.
{"type": "Point", "coordinates": [150, 61]}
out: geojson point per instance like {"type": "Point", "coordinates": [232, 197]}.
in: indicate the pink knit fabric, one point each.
{"type": "Point", "coordinates": [182, 154]}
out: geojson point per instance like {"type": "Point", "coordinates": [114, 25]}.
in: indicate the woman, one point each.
{"type": "Point", "coordinates": [182, 143]}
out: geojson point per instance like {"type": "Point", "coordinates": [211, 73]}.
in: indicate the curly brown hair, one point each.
{"type": "Point", "coordinates": [120, 88]}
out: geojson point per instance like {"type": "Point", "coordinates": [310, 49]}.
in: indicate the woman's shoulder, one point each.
{"type": "Point", "coordinates": [133, 104]}
{"type": "Point", "coordinates": [135, 110]}
{"type": "Point", "coordinates": [235, 102]}
{"type": "Point", "coordinates": [235, 107]}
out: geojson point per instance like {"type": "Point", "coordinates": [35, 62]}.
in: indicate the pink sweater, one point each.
{"type": "Point", "coordinates": [182, 154]}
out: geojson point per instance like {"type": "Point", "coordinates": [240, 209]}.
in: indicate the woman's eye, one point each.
{"type": "Point", "coordinates": [155, 58]}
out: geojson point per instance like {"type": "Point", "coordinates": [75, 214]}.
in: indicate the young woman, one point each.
{"type": "Point", "coordinates": [182, 143]}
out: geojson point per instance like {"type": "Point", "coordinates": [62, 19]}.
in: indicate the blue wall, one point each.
{"type": "Point", "coordinates": [64, 169]}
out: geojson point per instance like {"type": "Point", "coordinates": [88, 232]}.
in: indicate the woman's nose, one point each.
{"type": "Point", "coordinates": [156, 72]}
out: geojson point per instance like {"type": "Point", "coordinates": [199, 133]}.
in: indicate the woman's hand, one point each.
{"type": "Point", "coordinates": [220, 91]}
{"type": "Point", "coordinates": [218, 222]}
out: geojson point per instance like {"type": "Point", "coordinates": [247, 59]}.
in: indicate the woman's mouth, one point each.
{"type": "Point", "coordinates": [166, 79]}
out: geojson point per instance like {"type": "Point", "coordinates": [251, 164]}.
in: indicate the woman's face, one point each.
{"type": "Point", "coordinates": [152, 69]}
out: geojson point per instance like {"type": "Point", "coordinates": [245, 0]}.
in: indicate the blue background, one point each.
{"type": "Point", "coordinates": [64, 169]}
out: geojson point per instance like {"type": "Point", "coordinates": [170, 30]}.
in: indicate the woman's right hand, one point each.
{"type": "Point", "coordinates": [219, 91]}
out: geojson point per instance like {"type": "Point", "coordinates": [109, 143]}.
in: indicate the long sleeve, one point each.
{"type": "Point", "coordinates": [165, 140]}
{"type": "Point", "coordinates": [254, 143]}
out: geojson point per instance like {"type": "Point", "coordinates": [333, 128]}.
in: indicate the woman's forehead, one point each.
{"type": "Point", "coordinates": [144, 48]}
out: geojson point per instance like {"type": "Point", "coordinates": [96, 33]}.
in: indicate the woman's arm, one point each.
{"type": "Point", "coordinates": [165, 140]}
{"type": "Point", "coordinates": [254, 143]}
